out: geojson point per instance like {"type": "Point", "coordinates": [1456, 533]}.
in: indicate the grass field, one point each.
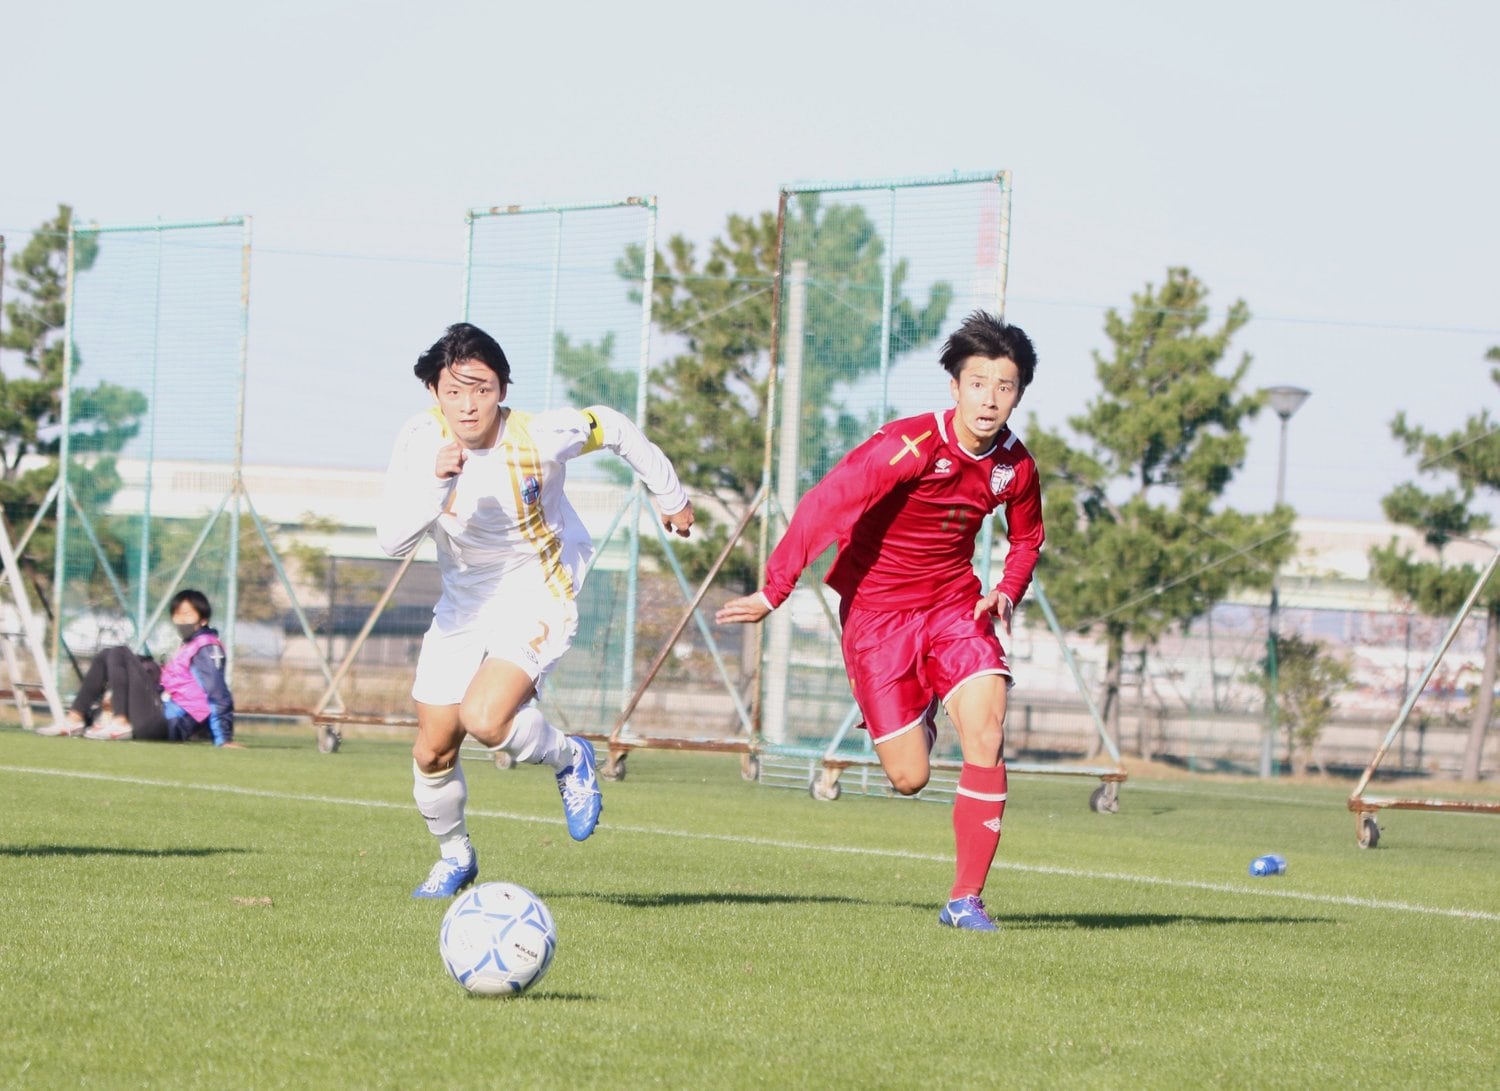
{"type": "Point", "coordinates": [181, 916]}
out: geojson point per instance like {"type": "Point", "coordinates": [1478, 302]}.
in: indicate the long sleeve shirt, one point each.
{"type": "Point", "coordinates": [506, 513]}
{"type": "Point", "coordinates": [904, 509]}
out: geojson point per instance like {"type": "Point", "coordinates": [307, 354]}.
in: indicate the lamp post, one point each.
{"type": "Point", "coordinates": [1285, 400]}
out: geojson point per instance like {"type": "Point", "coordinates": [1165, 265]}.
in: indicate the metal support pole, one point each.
{"type": "Point", "coordinates": [1273, 656]}
{"type": "Point", "coordinates": [779, 624]}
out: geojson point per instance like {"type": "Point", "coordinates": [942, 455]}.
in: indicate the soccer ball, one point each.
{"type": "Point", "coordinates": [497, 939]}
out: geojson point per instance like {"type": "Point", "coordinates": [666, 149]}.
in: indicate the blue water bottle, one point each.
{"type": "Point", "coordinates": [1269, 864]}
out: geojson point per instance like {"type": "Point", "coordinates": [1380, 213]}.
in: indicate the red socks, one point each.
{"type": "Point", "coordinates": [977, 810]}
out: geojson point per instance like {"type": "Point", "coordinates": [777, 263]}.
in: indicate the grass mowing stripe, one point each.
{"type": "Point", "coordinates": [800, 846]}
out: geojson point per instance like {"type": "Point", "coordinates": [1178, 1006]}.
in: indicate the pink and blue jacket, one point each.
{"type": "Point", "coordinates": [194, 691]}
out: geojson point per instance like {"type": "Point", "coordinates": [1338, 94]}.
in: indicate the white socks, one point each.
{"type": "Point", "coordinates": [533, 740]}
{"type": "Point", "coordinates": [440, 800]}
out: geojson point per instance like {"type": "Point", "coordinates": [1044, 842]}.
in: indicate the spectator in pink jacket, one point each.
{"type": "Point", "coordinates": [187, 698]}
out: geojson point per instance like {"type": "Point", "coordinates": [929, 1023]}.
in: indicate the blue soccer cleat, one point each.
{"type": "Point", "coordinates": [579, 785]}
{"type": "Point", "coordinates": [448, 877]}
{"type": "Point", "coordinates": [967, 912]}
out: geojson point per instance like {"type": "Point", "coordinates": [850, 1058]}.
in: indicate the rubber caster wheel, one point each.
{"type": "Point", "coordinates": [1105, 800]}
{"type": "Point", "coordinates": [504, 761]}
{"type": "Point", "coordinates": [824, 789]}
{"type": "Point", "coordinates": [749, 767]}
{"type": "Point", "coordinates": [1369, 831]}
{"type": "Point", "coordinates": [328, 739]}
{"type": "Point", "coordinates": [614, 768]}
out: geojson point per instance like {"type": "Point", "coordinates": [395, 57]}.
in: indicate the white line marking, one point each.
{"type": "Point", "coordinates": [776, 843]}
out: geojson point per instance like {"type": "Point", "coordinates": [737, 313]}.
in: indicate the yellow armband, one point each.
{"type": "Point", "coordinates": [596, 431]}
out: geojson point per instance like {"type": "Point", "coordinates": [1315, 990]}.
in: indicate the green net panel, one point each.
{"type": "Point", "coordinates": [560, 287]}
{"type": "Point", "coordinates": [566, 290]}
{"type": "Point", "coordinates": [152, 428]}
{"type": "Point", "coordinates": [874, 275]}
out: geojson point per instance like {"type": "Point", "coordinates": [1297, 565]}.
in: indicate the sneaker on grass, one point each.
{"type": "Point", "coordinates": [109, 727]}
{"type": "Point", "coordinates": [967, 912]}
{"type": "Point", "coordinates": [63, 728]}
{"type": "Point", "coordinates": [448, 877]}
{"type": "Point", "coordinates": [579, 785]}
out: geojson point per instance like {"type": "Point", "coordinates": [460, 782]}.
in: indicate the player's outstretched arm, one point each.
{"type": "Point", "coordinates": [746, 610]}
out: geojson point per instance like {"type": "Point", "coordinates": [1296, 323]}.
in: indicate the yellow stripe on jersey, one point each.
{"type": "Point", "coordinates": [909, 447]}
{"type": "Point", "coordinates": [596, 431]}
{"type": "Point", "coordinates": [522, 458]}
{"type": "Point", "coordinates": [437, 414]}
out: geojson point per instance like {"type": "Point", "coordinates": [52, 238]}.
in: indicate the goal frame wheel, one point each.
{"type": "Point", "coordinates": [1105, 799]}
{"type": "Point", "coordinates": [825, 787]}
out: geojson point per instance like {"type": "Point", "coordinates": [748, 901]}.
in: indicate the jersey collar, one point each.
{"type": "Point", "coordinates": [945, 417]}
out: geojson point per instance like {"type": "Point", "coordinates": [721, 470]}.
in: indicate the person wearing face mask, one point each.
{"type": "Point", "coordinates": [187, 698]}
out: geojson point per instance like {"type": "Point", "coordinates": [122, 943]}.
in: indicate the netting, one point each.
{"type": "Point", "coordinates": [560, 287]}
{"type": "Point", "coordinates": [157, 320]}
{"type": "Point", "coordinates": [567, 292]}
{"type": "Point", "coordinates": [874, 276]}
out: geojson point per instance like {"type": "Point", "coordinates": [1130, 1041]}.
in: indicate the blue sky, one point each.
{"type": "Point", "coordinates": [1330, 163]}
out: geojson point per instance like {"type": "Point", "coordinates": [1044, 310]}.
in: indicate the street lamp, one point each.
{"type": "Point", "coordinates": [1285, 400]}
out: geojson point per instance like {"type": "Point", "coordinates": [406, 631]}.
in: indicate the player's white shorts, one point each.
{"type": "Point", "coordinates": [524, 625]}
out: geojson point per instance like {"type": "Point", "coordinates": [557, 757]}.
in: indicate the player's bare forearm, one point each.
{"type": "Point", "coordinates": [746, 610]}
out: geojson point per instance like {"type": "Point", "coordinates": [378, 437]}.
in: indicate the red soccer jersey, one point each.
{"type": "Point", "coordinates": [905, 508]}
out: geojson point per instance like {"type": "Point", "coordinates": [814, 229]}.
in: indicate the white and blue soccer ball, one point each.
{"type": "Point", "coordinates": [497, 939]}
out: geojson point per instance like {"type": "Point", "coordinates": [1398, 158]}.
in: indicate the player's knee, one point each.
{"type": "Point", "coordinates": [485, 721]}
{"type": "Point", "coordinates": [433, 759]}
{"type": "Point", "coordinates": [909, 782]}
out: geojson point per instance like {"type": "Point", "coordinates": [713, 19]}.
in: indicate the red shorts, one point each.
{"type": "Point", "coordinates": [901, 663]}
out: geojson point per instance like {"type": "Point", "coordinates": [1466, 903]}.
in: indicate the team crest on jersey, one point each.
{"type": "Point", "coordinates": [531, 489]}
{"type": "Point", "coordinates": [942, 466]}
{"type": "Point", "coordinates": [1001, 478]}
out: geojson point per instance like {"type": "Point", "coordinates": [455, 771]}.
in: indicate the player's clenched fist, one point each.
{"type": "Point", "coordinates": [679, 522]}
{"type": "Point", "coordinates": [450, 460]}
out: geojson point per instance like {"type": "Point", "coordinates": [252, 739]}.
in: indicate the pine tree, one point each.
{"type": "Point", "coordinates": [31, 398]}
{"type": "Point", "coordinates": [706, 403]}
{"type": "Point", "coordinates": [1470, 458]}
{"type": "Point", "coordinates": [1137, 541]}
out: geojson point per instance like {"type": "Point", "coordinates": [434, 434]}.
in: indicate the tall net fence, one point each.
{"type": "Point", "coordinates": [151, 433]}
{"type": "Point", "coordinates": [561, 288]}
{"type": "Point", "coordinates": [874, 277]}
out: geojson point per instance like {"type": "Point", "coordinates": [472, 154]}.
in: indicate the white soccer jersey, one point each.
{"type": "Point", "coordinates": [506, 515]}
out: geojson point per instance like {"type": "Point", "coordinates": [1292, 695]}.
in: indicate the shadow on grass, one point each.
{"type": "Point", "coordinates": [107, 850]}
{"type": "Point", "coordinates": [1140, 920]}
{"type": "Point", "coordinates": [1091, 921]}
{"type": "Point", "coordinates": [542, 996]}
{"type": "Point", "coordinates": [717, 897]}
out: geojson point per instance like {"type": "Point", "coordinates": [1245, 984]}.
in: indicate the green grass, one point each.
{"type": "Point", "coordinates": [180, 916]}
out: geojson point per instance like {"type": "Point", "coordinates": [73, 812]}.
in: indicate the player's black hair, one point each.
{"type": "Point", "coordinates": [983, 334]}
{"type": "Point", "coordinates": [462, 341]}
{"type": "Point", "coordinates": [196, 599]}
